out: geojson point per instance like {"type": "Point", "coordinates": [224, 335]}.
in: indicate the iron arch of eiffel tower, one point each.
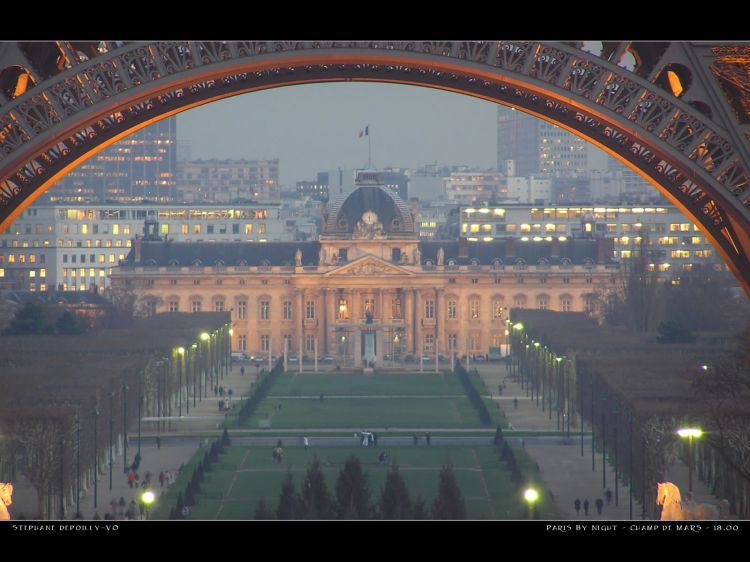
{"type": "Point", "coordinates": [680, 117]}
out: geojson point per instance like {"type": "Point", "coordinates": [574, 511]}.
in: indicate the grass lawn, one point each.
{"type": "Point", "coordinates": [365, 413]}
{"type": "Point", "coordinates": [243, 476]}
{"type": "Point", "coordinates": [357, 384]}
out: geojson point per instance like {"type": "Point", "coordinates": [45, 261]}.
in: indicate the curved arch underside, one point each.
{"type": "Point", "coordinates": [699, 165]}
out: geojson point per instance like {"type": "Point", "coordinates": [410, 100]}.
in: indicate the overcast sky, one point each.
{"type": "Point", "coordinates": [313, 128]}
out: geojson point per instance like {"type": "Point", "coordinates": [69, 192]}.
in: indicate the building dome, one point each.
{"type": "Point", "coordinates": [370, 208]}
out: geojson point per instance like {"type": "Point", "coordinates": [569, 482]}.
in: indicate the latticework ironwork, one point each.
{"type": "Point", "coordinates": [693, 145]}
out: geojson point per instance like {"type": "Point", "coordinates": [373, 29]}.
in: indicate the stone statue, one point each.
{"type": "Point", "coordinates": [674, 509]}
{"type": "Point", "coordinates": [440, 255]}
{"type": "Point", "coordinates": [322, 257]}
{"type": "Point", "coordinates": [298, 257]}
{"type": "Point", "coordinates": [417, 256]}
{"type": "Point", "coordinates": [6, 491]}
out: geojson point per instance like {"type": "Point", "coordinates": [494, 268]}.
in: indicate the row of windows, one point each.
{"type": "Point", "coordinates": [81, 272]}
{"type": "Point", "coordinates": [93, 258]}
{"type": "Point", "coordinates": [23, 258]}
{"type": "Point", "coordinates": [98, 243]}
{"type": "Point", "coordinates": [247, 228]}
{"type": "Point", "coordinates": [369, 307]}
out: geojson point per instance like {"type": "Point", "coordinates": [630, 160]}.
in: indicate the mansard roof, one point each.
{"type": "Point", "coordinates": [220, 254]}
{"type": "Point", "coordinates": [576, 251]}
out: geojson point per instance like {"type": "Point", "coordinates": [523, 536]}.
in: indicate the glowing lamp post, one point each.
{"type": "Point", "coordinates": [181, 359]}
{"type": "Point", "coordinates": [148, 498]}
{"type": "Point", "coordinates": [531, 496]}
{"type": "Point", "coordinates": [690, 432]}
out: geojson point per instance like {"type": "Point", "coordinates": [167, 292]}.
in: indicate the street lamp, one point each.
{"type": "Point", "coordinates": [181, 352]}
{"type": "Point", "coordinates": [690, 432]}
{"type": "Point", "coordinates": [531, 496]}
{"type": "Point", "coordinates": [148, 498]}
{"type": "Point", "coordinates": [95, 413]}
{"type": "Point", "coordinates": [111, 423]}
{"type": "Point", "coordinates": [125, 428]}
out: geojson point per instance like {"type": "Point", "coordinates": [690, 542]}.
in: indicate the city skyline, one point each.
{"type": "Point", "coordinates": [408, 127]}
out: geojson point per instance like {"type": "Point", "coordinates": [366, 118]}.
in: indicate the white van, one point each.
{"type": "Point", "coordinates": [239, 356]}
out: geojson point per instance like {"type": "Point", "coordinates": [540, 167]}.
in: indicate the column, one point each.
{"type": "Point", "coordinates": [418, 343]}
{"type": "Point", "coordinates": [323, 301]}
{"type": "Point", "coordinates": [408, 321]}
{"type": "Point", "coordinates": [301, 322]}
{"type": "Point", "coordinates": [439, 324]}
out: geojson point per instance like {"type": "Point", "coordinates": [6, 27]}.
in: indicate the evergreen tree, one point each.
{"type": "Point", "coordinates": [419, 510]}
{"type": "Point", "coordinates": [395, 502]}
{"type": "Point", "coordinates": [68, 324]}
{"type": "Point", "coordinates": [353, 491]}
{"type": "Point", "coordinates": [189, 498]}
{"type": "Point", "coordinates": [263, 512]}
{"type": "Point", "coordinates": [449, 503]}
{"type": "Point", "coordinates": [288, 507]}
{"type": "Point", "coordinates": [29, 320]}
{"type": "Point", "coordinates": [315, 500]}
{"type": "Point", "coordinates": [179, 505]}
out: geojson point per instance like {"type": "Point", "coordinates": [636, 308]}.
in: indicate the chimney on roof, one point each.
{"type": "Point", "coordinates": [137, 248]}
{"type": "Point", "coordinates": [605, 248]}
{"type": "Point", "coordinates": [463, 247]}
{"type": "Point", "coordinates": [554, 251]}
{"type": "Point", "coordinates": [510, 248]}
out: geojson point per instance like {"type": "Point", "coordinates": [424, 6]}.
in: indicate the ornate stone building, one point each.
{"type": "Point", "coordinates": [368, 289]}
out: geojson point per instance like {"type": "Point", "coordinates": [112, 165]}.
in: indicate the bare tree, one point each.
{"type": "Point", "coordinates": [38, 445]}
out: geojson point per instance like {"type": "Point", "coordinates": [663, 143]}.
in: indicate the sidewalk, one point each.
{"type": "Point", "coordinates": [568, 474]}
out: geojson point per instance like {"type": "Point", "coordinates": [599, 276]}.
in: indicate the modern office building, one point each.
{"type": "Point", "coordinates": [224, 181]}
{"type": "Point", "coordinates": [542, 149]}
{"type": "Point", "coordinates": [75, 247]}
{"type": "Point", "coordinates": [142, 166]}
{"type": "Point", "coordinates": [675, 243]}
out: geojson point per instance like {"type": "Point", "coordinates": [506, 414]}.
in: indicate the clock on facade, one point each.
{"type": "Point", "coordinates": [370, 217]}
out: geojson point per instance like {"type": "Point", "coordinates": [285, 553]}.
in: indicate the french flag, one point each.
{"type": "Point", "coordinates": [365, 133]}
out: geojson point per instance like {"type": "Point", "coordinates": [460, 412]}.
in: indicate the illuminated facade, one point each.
{"type": "Point", "coordinates": [74, 248]}
{"type": "Point", "coordinates": [368, 289]}
{"type": "Point", "coordinates": [675, 243]}
{"type": "Point", "coordinates": [541, 148]}
{"type": "Point", "coordinates": [140, 166]}
{"type": "Point", "coordinates": [211, 181]}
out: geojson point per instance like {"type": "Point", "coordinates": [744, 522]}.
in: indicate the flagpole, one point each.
{"type": "Point", "coordinates": [369, 148]}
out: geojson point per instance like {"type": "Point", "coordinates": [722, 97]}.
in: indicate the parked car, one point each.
{"type": "Point", "coordinates": [409, 358]}
{"type": "Point", "coordinates": [328, 359]}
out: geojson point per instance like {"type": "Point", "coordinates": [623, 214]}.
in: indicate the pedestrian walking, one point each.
{"type": "Point", "coordinates": [515, 403]}
{"type": "Point", "coordinates": [304, 439]}
{"type": "Point", "coordinates": [161, 479]}
{"type": "Point", "coordinates": [131, 478]}
{"type": "Point", "coordinates": [586, 506]}
{"type": "Point", "coordinates": [242, 371]}
{"type": "Point", "coordinates": [599, 505]}
{"type": "Point", "coordinates": [608, 495]}
{"type": "Point", "coordinates": [158, 442]}
{"type": "Point", "coordinates": [577, 505]}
